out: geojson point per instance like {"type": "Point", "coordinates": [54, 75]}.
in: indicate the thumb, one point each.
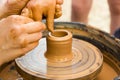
{"type": "Point", "coordinates": [26, 12]}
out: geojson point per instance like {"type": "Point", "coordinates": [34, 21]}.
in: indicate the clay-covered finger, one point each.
{"type": "Point", "coordinates": [50, 20]}
{"type": "Point", "coordinates": [58, 14]}
{"type": "Point", "coordinates": [33, 27]}
{"type": "Point", "coordinates": [27, 12]}
{"type": "Point", "coordinates": [58, 8]}
{"type": "Point", "coordinates": [37, 13]}
{"type": "Point", "coordinates": [34, 10]}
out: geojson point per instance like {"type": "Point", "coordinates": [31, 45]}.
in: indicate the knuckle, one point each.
{"type": "Point", "coordinates": [41, 25]}
{"type": "Point", "coordinates": [23, 43]}
{"type": "Point", "coordinates": [15, 19]}
{"type": "Point", "coordinates": [14, 32]}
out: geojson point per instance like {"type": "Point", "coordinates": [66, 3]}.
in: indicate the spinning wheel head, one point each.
{"type": "Point", "coordinates": [64, 58]}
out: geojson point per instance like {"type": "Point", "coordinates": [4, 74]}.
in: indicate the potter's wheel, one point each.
{"type": "Point", "coordinates": [108, 45]}
{"type": "Point", "coordinates": [86, 63]}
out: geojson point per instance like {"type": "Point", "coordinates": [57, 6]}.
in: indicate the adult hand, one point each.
{"type": "Point", "coordinates": [18, 36]}
{"type": "Point", "coordinates": [37, 9]}
{"type": "Point", "coordinates": [10, 7]}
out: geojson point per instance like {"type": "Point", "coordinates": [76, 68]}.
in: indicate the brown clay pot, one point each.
{"type": "Point", "coordinates": [59, 46]}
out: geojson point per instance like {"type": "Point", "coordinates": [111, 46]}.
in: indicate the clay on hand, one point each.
{"type": "Point", "coordinates": [58, 8]}
{"type": "Point", "coordinates": [18, 36]}
{"type": "Point", "coordinates": [37, 9]}
{"type": "Point", "coordinates": [11, 7]}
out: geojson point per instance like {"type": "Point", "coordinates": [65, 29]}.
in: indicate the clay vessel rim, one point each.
{"type": "Point", "coordinates": [65, 37]}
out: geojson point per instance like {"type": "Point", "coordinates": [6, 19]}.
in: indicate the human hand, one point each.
{"type": "Point", "coordinates": [18, 36]}
{"type": "Point", "coordinates": [37, 9]}
{"type": "Point", "coordinates": [10, 7]}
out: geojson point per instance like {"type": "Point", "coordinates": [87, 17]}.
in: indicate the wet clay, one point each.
{"type": "Point", "coordinates": [34, 65]}
{"type": "Point", "coordinates": [59, 46]}
{"type": "Point", "coordinates": [85, 63]}
{"type": "Point", "coordinates": [107, 73]}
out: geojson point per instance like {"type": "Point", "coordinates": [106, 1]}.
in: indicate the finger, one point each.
{"type": "Point", "coordinates": [37, 13]}
{"type": "Point", "coordinates": [30, 38]}
{"type": "Point", "coordinates": [26, 39]}
{"type": "Point", "coordinates": [28, 28]}
{"type": "Point", "coordinates": [28, 48]}
{"type": "Point", "coordinates": [50, 20]}
{"type": "Point", "coordinates": [18, 52]}
{"type": "Point", "coordinates": [59, 2]}
{"type": "Point", "coordinates": [58, 14]}
{"type": "Point", "coordinates": [27, 12]}
{"type": "Point", "coordinates": [22, 41]}
{"type": "Point", "coordinates": [58, 8]}
{"type": "Point", "coordinates": [33, 27]}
